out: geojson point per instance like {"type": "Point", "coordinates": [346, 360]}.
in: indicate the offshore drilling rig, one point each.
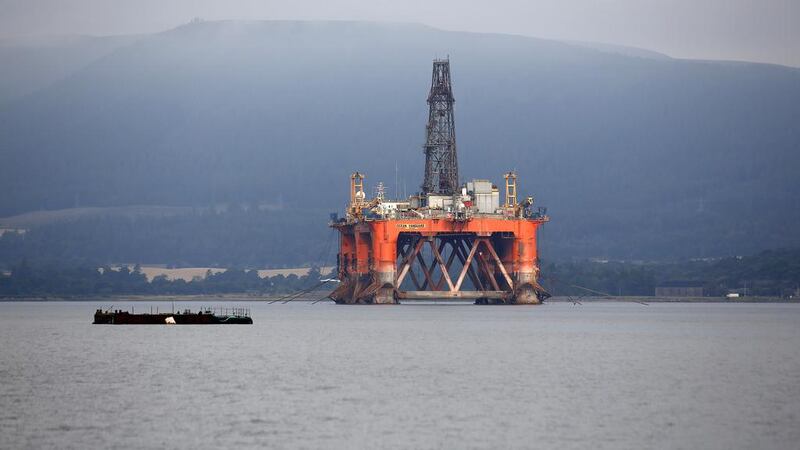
{"type": "Point", "coordinates": [450, 241]}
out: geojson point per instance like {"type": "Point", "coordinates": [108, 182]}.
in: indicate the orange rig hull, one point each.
{"type": "Point", "coordinates": [487, 260]}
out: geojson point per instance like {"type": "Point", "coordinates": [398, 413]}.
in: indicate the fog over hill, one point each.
{"type": "Point", "coordinates": [31, 63]}
{"type": "Point", "coordinates": [635, 156]}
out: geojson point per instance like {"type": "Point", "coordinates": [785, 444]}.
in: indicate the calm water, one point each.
{"type": "Point", "coordinates": [413, 376]}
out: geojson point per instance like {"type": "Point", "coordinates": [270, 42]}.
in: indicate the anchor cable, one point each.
{"type": "Point", "coordinates": [322, 259]}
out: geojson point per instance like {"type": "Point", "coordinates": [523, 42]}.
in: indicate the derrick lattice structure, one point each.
{"type": "Point", "coordinates": [441, 163]}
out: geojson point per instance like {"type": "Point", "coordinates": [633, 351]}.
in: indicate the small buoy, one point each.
{"type": "Point", "coordinates": [170, 320]}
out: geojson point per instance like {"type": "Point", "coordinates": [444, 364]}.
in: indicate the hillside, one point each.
{"type": "Point", "coordinates": [30, 64]}
{"type": "Point", "coordinates": [635, 157]}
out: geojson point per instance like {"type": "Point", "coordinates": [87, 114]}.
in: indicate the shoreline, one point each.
{"type": "Point", "coordinates": [319, 296]}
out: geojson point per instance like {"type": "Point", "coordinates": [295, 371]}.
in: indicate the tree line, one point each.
{"type": "Point", "coordinates": [25, 280]}
{"type": "Point", "coordinates": [770, 273]}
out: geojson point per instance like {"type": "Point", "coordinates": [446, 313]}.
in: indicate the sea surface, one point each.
{"type": "Point", "coordinates": [597, 375]}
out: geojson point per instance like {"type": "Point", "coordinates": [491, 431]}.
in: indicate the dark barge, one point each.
{"type": "Point", "coordinates": [223, 316]}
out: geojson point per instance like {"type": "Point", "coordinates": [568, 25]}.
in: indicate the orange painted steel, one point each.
{"type": "Point", "coordinates": [497, 254]}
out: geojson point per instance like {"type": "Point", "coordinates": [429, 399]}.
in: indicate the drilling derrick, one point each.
{"type": "Point", "coordinates": [452, 241]}
{"type": "Point", "coordinates": [441, 164]}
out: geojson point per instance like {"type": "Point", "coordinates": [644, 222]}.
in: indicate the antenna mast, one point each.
{"type": "Point", "coordinates": [441, 164]}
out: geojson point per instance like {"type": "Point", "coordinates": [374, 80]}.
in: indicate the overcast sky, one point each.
{"type": "Point", "coordinates": [750, 30]}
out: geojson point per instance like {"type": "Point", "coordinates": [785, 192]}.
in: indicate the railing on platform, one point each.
{"type": "Point", "coordinates": [233, 312]}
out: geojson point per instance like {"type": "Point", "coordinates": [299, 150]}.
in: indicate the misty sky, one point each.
{"type": "Point", "coordinates": [751, 30]}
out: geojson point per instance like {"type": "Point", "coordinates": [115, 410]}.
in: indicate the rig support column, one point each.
{"type": "Point", "coordinates": [363, 247]}
{"type": "Point", "coordinates": [384, 251]}
{"type": "Point", "coordinates": [527, 288]}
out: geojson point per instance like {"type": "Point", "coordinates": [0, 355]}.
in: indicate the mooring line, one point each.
{"type": "Point", "coordinates": [296, 294]}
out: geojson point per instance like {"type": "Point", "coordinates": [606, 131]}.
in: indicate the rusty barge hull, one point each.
{"type": "Point", "coordinates": [126, 318]}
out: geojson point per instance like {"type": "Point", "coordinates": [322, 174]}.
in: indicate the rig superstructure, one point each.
{"type": "Point", "coordinates": [450, 241]}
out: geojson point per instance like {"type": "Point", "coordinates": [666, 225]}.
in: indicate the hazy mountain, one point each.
{"type": "Point", "coordinates": [31, 63]}
{"type": "Point", "coordinates": [621, 50]}
{"type": "Point", "coordinates": [636, 157]}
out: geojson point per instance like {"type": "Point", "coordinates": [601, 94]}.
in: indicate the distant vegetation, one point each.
{"type": "Point", "coordinates": [771, 273]}
{"type": "Point", "coordinates": [57, 281]}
